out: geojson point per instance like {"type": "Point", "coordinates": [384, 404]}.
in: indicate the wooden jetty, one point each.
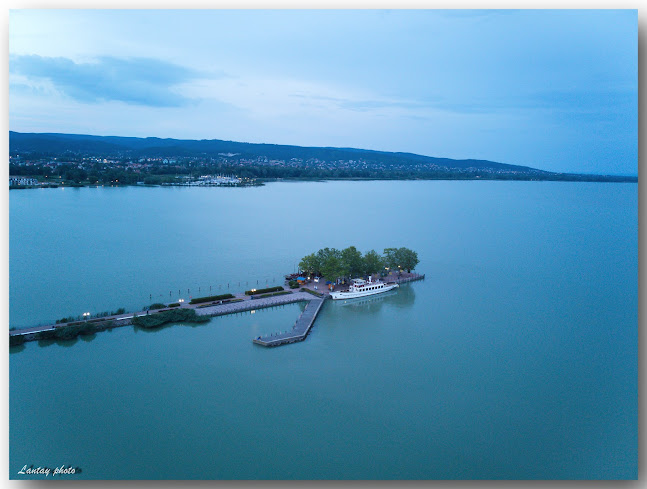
{"type": "Point", "coordinates": [299, 331]}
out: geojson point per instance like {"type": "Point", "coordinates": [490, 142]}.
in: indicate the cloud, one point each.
{"type": "Point", "coordinates": [361, 104]}
{"type": "Point", "coordinates": [139, 81]}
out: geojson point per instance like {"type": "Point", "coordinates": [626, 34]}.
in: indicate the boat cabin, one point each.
{"type": "Point", "coordinates": [361, 285]}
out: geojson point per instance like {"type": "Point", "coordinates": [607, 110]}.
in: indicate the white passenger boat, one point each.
{"type": "Point", "coordinates": [362, 288]}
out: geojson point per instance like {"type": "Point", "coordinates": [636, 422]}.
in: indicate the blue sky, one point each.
{"type": "Point", "coordinates": [551, 89]}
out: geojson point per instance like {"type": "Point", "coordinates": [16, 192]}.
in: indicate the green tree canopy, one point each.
{"type": "Point", "coordinates": [373, 262]}
{"type": "Point", "coordinates": [323, 255]}
{"type": "Point", "coordinates": [407, 259]}
{"type": "Point", "coordinates": [352, 261]}
{"type": "Point", "coordinates": [333, 263]}
{"type": "Point", "coordinates": [391, 258]}
{"type": "Point", "coordinates": [332, 266]}
{"type": "Point", "coordinates": [310, 264]}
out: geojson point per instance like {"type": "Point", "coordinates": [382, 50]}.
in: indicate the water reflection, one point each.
{"type": "Point", "coordinates": [62, 343]}
{"type": "Point", "coordinates": [369, 304]}
{"type": "Point", "coordinates": [137, 329]}
{"type": "Point", "coordinates": [404, 296]}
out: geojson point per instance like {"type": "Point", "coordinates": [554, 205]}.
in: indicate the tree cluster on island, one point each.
{"type": "Point", "coordinates": [350, 263]}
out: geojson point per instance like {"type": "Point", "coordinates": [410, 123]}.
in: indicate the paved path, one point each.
{"type": "Point", "coordinates": [249, 305]}
{"type": "Point", "coordinates": [119, 320]}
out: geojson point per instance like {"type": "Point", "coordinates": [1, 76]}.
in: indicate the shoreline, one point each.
{"type": "Point", "coordinates": [575, 178]}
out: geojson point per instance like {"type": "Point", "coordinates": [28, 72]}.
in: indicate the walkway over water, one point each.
{"type": "Point", "coordinates": [241, 303]}
{"type": "Point", "coordinates": [299, 331]}
{"type": "Point", "coordinates": [216, 310]}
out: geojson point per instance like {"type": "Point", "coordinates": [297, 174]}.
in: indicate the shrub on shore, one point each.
{"type": "Point", "coordinates": [72, 319]}
{"type": "Point", "coordinates": [303, 289]}
{"type": "Point", "coordinates": [263, 291]}
{"type": "Point", "coordinates": [173, 316]}
{"type": "Point", "coordinates": [200, 300]}
{"type": "Point", "coordinates": [16, 340]}
{"type": "Point", "coordinates": [45, 335]}
{"type": "Point", "coordinates": [67, 331]}
{"type": "Point", "coordinates": [272, 294]}
{"type": "Point", "coordinates": [72, 331]}
{"type": "Point", "coordinates": [157, 305]}
{"type": "Point", "coordinates": [65, 320]}
{"type": "Point", "coordinates": [103, 325]}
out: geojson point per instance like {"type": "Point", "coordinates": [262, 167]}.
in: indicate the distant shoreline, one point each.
{"type": "Point", "coordinates": [262, 181]}
{"type": "Point", "coordinates": [56, 158]}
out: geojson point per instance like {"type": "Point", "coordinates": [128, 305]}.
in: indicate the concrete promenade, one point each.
{"type": "Point", "coordinates": [247, 304]}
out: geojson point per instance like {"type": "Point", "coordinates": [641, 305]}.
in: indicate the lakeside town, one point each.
{"type": "Point", "coordinates": [227, 169]}
{"type": "Point", "coordinates": [53, 160]}
{"type": "Point", "coordinates": [29, 172]}
{"type": "Point", "coordinates": [16, 181]}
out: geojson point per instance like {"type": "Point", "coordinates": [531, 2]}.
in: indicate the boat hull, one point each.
{"type": "Point", "coordinates": [354, 295]}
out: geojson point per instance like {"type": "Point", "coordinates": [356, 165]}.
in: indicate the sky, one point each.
{"type": "Point", "coordinates": [550, 89]}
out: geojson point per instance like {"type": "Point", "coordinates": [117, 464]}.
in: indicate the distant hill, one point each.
{"type": "Point", "coordinates": [279, 161]}
{"type": "Point", "coordinates": [157, 147]}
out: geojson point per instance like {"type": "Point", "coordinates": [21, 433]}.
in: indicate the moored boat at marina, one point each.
{"type": "Point", "coordinates": [362, 288]}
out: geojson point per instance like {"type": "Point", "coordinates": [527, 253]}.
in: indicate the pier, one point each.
{"type": "Point", "coordinates": [247, 304]}
{"type": "Point", "coordinates": [300, 329]}
{"type": "Point", "coordinates": [310, 292]}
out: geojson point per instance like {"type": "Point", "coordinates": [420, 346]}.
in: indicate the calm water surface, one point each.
{"type": "Point", "coordinates": [516, 358]}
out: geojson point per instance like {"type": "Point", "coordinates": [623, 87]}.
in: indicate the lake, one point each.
{"type": "Point", "coordinates": [515, 358]}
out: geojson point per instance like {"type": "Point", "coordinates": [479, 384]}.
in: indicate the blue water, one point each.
{"type": "Point", "coordinates": [516, 357]}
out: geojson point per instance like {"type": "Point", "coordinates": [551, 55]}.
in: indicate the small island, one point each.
{"type": "Point", "coordinates": [339, 266]}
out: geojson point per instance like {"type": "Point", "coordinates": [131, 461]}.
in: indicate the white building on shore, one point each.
{"type": "Point", "coordinates": [15, 181]}
{"type": "Point", "coordinates": [217, 180]}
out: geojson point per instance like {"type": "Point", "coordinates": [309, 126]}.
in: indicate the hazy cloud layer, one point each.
{"type": "Point", "coordinates": [554, 89]}
{"type": "Point", "coordinates": [142, 81]}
